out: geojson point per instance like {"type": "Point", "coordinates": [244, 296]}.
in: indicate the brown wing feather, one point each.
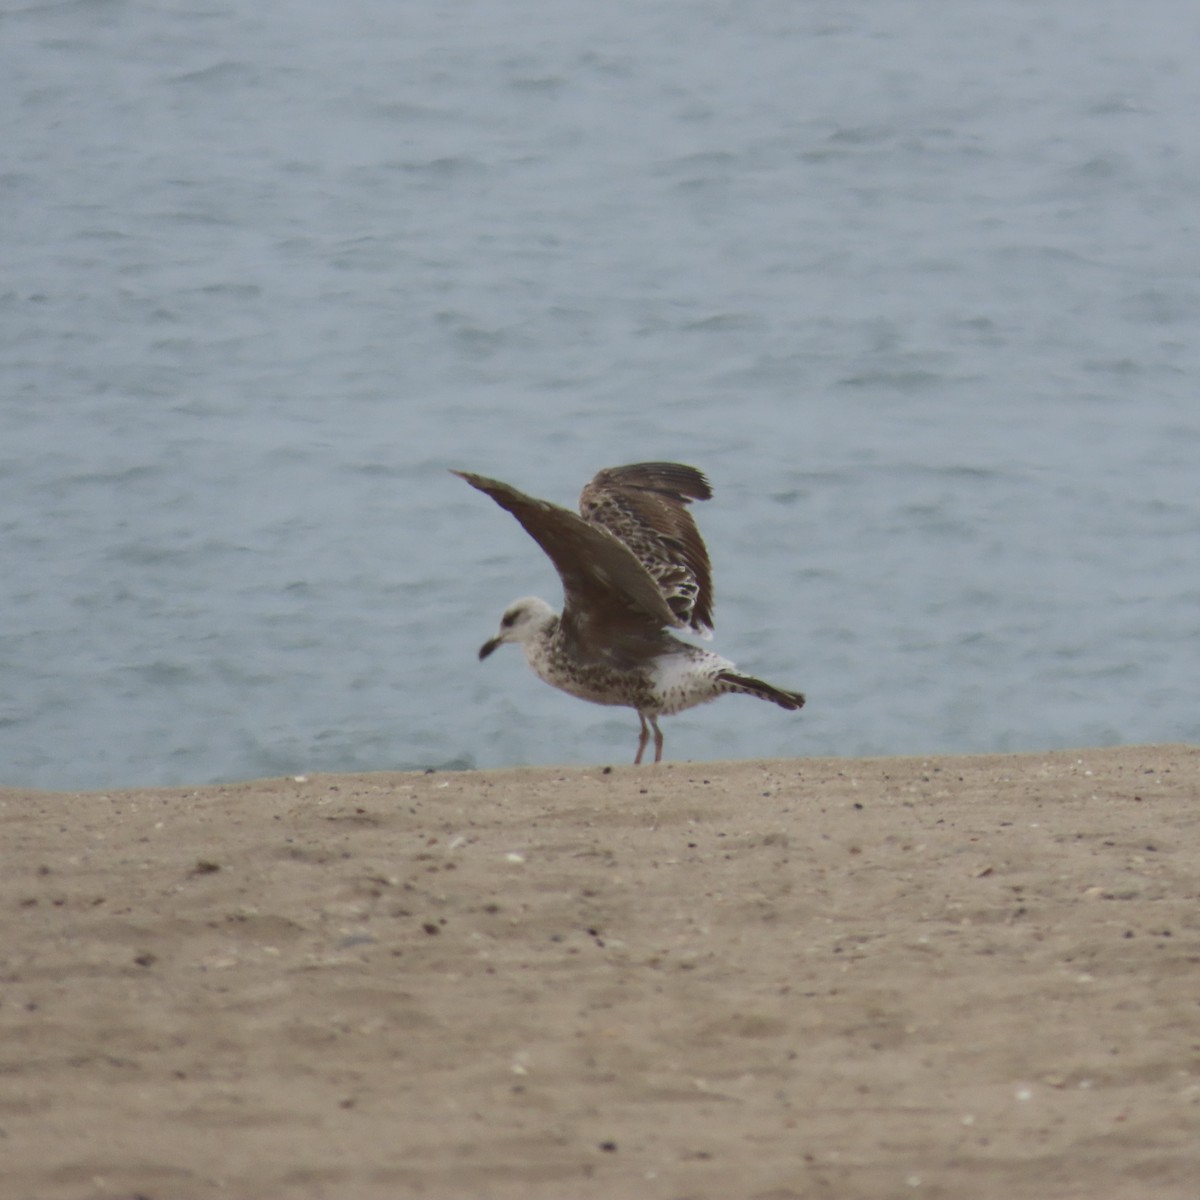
{"type": "Point", "coordinates": [608, 594]}
{"type": "Point", "coordinates": [645, 506]}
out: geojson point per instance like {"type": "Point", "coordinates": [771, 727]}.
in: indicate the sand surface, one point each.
{"type": "Point", "coordinates": [946, 977]}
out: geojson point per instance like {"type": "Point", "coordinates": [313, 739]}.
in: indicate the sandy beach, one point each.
{"type": "Point", "coordinates": [930, 977]}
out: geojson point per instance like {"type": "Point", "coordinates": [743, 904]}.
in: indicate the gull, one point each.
{"type": "Point", "coordinates": [633, 567]}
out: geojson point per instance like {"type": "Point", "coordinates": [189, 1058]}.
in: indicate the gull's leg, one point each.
{"type": "Point", "coordinates": [658, 740]}
{"type": "Point", "coordinates": [645, 737]}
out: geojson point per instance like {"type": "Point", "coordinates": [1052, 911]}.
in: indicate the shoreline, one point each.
{"type": "Point", "coordinates": [937, 975]}
{"type": "Point", "coordinates": [824, 762]}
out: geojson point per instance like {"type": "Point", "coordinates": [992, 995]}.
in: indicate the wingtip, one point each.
{"type": "Point", "coordinates": [689, 483]}
{"type": "Point", "coordinates": [476, 481]}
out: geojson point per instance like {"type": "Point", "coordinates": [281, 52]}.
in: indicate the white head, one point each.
{"type": "Point", "coordinates": [524, 620]}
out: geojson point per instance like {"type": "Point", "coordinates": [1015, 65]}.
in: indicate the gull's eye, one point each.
{"type": "Point", "coordinates": [508, 620]}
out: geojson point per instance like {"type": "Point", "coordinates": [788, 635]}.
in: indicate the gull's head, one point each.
{"type": "Point", "coordinates": [524, 620]}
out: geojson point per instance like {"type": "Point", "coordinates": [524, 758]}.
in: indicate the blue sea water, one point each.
{"type": "Point", "coordinates": [916, 285]}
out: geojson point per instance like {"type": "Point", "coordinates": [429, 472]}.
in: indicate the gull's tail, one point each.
{"type": "Point", "coordinates": [747, 685]}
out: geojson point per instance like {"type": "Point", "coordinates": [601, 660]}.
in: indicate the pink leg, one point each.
{"type": "Point", "coordinates": [642, 740]}
{"type": "Point", "coordinates": [658, 740]}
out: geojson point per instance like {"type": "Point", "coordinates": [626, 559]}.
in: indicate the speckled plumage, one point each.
{"type": "Point", "coordinates": [644, 505]}
{"type": "Point", "coordinates": [633, 566]}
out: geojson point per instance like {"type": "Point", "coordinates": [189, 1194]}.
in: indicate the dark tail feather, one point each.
{"type": "Point", "coordinates": [749, 686]}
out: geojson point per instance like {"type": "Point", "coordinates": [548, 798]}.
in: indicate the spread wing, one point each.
{"type": "Point", "coordinates": [609, 597]}
{"type": "Point", "coordinates": [644, 505]}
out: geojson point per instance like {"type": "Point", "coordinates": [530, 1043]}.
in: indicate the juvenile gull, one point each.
{"type": "Point", "coordinates": [633, 566]}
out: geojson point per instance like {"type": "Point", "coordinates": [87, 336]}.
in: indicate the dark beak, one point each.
{"type": "Point", "coordinates": [488, 647]}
